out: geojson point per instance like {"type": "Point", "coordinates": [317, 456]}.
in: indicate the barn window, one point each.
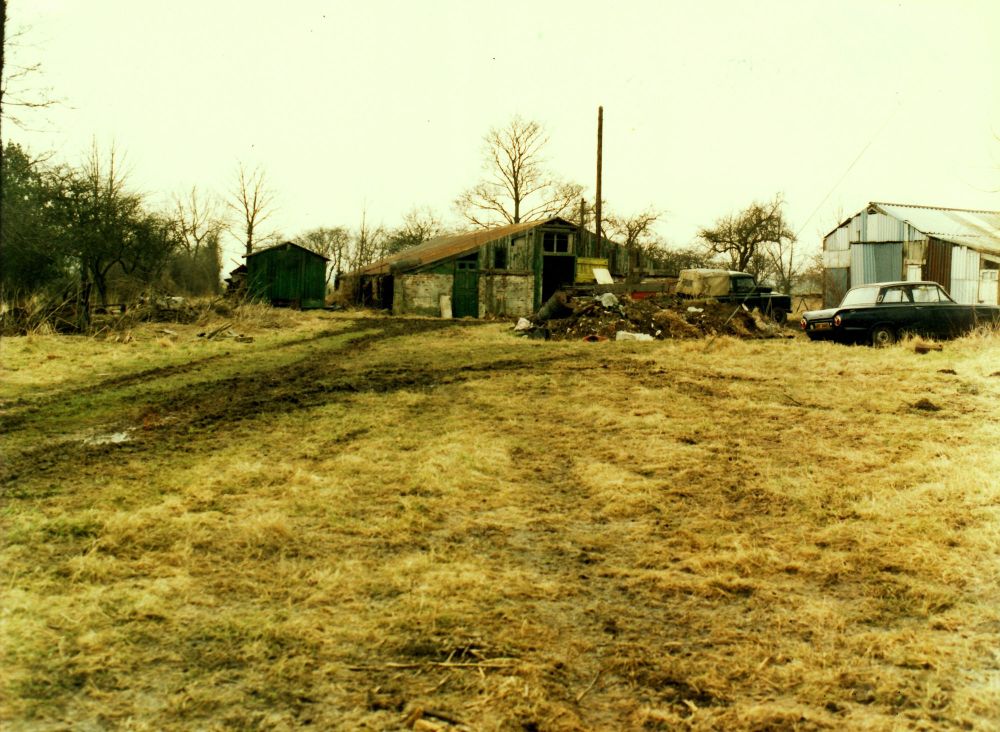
{"type": "Point", "coordinates": [556, 242]}
{"type": "Point", "coordinates": [500, 257]}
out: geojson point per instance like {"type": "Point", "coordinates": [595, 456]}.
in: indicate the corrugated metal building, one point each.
{"type": "Point", "coordinates": [287, 274]}
{"type": "Point", "coordinates": [508, 270]}
{"type": "Point", "coordinates": [957, 248]}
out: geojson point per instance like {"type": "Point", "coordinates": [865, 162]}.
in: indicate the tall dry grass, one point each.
{"type": "Point", "coordinates": [457, 529]}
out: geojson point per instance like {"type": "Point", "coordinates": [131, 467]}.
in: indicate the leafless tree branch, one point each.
{"type": "Point", "coordinates": [252, 201]}
{"type": "Point", "coordinates": [516, 187]}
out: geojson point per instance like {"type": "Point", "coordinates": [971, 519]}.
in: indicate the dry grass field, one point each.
{"type": "Point", "coordinates": [364, 523]}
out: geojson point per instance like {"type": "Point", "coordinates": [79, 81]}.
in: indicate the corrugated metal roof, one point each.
{"type": "Point", "coordinates": [451, 245]}
{"type": "Point", "coordinates": [977, 229]}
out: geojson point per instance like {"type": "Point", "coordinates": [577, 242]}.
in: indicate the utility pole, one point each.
{"type": "Point", "coordinates": [597, 208]}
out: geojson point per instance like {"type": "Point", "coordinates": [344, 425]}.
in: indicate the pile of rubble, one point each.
{"type": "Point", "coordinates": [608, 317]}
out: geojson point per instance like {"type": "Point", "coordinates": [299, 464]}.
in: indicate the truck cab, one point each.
{"type": "Point", "coordinates": [725, 285]}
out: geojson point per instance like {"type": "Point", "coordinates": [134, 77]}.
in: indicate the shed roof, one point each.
{"type": "Point", "coordinates": [976, 229]}
{"type": "Point", "coordinates": [973, 228]}
{"type": "Point", "coordinates": [452, 245]}
{"type": "Point", "coordinates": [282, 245]}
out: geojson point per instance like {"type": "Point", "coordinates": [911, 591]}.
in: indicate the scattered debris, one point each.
{"type": "Point", "coordinates": [624, 335]}
{"type": "Point", "coordinates": [603, 276]}
{"type": "Point", "coordinates": [949, 371]}
{"type": "Point", "coordinates": [523, 324]}
{"type": "Point", "coordinates": [244, 339]}
{"type": "Point", "coordinates": [209, 335]}
{"type": "Point", "coordinates": [556, 306]}
{"type": "Point", "coordinates": [659, 316]}
{"type": "Point", "coordinates": [112, 438]}
{"type": "Point", "coordinates": [926, 405]}
{"type": "Point", "coordinates": [925, 347]}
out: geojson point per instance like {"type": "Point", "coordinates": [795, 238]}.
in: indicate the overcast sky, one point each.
{"type": "Point", "coordinates": [707, 105]}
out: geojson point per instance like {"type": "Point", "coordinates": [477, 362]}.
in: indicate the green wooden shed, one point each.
{"type": "Point", "coordinates": [287, 274]}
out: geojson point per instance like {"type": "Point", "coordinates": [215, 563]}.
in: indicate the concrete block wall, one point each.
{"type": "Point", "coordinates": [420, 294]}
{"type": "Point", "coordinates": [506, 295]}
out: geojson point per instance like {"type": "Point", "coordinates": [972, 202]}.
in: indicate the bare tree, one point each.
{"type": "Point", "coordinates": [784, 266]}
{"type": "Point", "coordinates": [517, 187]}
{"type": "Point", "coordinates": [15, 91]}
{"type": "Point", "coordinates": [199, 220]}
{"type": "Point", "coordinates": [743, 238]}
{"type": "Point", "coordinates": [107, 229]}
{"type": "Point", "coordinates": [369, 243]}
{"type": "Point", "coordinates": [635, 231]}
{"type": "Point", "coordinates": [253, 203]}
{"type": "Point", "coordinates": [333, 243]}
{"type": "Point", "coordinates": [200, 225]}
{"type": "Point", "coordinates": [419, 225]}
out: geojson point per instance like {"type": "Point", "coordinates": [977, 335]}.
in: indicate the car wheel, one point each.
{"type": "Point", "coordinates": [779, 316]}
{"type": "Point", "coordinates": [882, 335]}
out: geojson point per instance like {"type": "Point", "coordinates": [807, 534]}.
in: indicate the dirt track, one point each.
{"type": "Point", "coordinates": [161, 418]}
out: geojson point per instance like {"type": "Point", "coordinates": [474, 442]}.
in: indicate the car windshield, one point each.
{"type": "Point", "coordinates": [860, 296]}
{"type": "Point", "coordinates": [743, 284]}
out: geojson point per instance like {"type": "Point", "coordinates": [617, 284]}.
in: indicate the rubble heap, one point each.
{"type": "Point", "coordinates": [659, 317]}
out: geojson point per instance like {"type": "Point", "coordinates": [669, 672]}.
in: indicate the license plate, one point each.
{"type": "Point", "coordinates": [821, 326]}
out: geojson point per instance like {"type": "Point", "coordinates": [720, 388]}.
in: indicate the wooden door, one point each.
{"type": "Point", "coordinates": [465, 291]}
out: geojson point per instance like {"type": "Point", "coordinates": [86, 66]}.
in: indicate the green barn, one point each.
{"type": "Point", "coordinates": [507, 270]}
{"type": "Point", "coordinates": [504, 271]}
{"type": "Point", "coordinates": [288, 275]}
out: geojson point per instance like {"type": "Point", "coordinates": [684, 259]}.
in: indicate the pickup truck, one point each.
{"type": "Point", "coordinates": [741, 288]}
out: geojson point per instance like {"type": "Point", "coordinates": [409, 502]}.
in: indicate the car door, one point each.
{"type": "Point", "coordinates": [894, 308]}
{"type": "Point", "coordinates": [921, 316]}
{"type": "Point", "coordinates": [938, 315]}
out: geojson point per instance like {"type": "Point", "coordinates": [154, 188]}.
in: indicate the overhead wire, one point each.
{"type": "Point", "coordinates": [892, 113]}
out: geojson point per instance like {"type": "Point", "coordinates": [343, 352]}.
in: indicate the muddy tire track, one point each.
{"type": "Point", "coordinates": [17, 409]}
{"type": "Point", "coordinates": [169, 419]}
{"type": "Point", "coordinates": [15, 412]}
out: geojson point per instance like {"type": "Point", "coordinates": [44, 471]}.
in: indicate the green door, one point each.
{"type": "Point", "coordinates": [465, 292]}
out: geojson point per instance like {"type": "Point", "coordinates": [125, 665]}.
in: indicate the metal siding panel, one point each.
{"type": "Point", "coordinates": [889, 262]}
{"type": "Point", "coordinates": [876, 262]}
{"type": "Point", "coordinates": [854, 230]}
{"type": "Point", "coordinates": [837, 259]}
{"type": "Point", "coordinates": [964, 275]}
{"type": "Point", "coordinates": [938, 265]}
{"type": "Point", "coordinates": [860, 268]}
{"type": "Point", "coordinates": [989, 286]}
{"type": "Point", "coordinates": [838, 240]}
{"type": "Point", "coordinates": [882, 228]}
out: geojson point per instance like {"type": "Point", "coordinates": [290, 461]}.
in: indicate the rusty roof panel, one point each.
{"type": "Point", "coordinates": [450, 245]}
